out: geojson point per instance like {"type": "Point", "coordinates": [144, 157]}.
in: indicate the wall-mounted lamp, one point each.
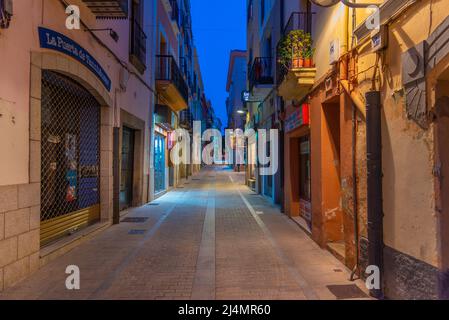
{"type": "Point", "coordinates": [112, 33]}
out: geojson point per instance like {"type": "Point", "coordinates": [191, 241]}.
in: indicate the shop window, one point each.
{"type": "Point", "coordinates": [138, 47]}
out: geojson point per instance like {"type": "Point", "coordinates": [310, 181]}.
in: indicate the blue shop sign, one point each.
{"type": "Point", "coordinates": [50, 39]}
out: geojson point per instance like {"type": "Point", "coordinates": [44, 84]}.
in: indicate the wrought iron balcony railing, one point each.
{"type": "Point", "coordinates": [108, 9]}
{"type": "Point", "coordinates": [297, 21]}
{"type": "Point", "coordinates": [167, 70]}
{"type": "Point", "coordinates": [261, 72]}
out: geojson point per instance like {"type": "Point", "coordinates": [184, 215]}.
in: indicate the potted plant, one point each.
{"type": "Point", "coordinates": [291, 50]}
{"type": "Point", "coordinates": [308, 51]}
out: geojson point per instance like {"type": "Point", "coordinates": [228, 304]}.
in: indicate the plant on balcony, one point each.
{"type": "Point", "coordinates": [308, 51]}
{"type": "Point", "coordinates": [291, 49]}
{"type": "Point", "coordinates": [295, 48]}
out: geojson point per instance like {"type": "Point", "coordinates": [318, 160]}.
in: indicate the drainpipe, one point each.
{"type": "Point", "coordinates": [354, 193]}
{"type": "Point", "coordinates": [374, 184]}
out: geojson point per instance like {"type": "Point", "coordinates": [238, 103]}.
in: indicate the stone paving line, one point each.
{"type": "Point", "coordinates": [214, 239]}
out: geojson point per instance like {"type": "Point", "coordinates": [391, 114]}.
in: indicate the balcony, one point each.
{"type": "Point", "coordinates": [112, 9]}
{"type": "Point", "coordinates": [261, 77]}
{"type": "Point", "coordinates": [170, 84]}
{"type": "Point", "coordinates": [138, 49]}
{"type": "Point", "coordinates": [293, 78]}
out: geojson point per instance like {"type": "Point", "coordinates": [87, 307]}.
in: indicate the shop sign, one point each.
{"type": "Point", "coordinates": [246, 95]}
{"type": "Point", "coordinates": [298, 118]}
{"type": "Point", "coordinates": [171, 140]}
{"type": "Point", "coordinates": [53, 40]}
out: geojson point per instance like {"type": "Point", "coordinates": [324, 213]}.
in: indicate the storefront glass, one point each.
{"type": "Point", "coordinates": [159, 163]}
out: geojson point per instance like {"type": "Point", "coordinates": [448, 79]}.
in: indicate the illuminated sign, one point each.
{"type": "Point", "coordinates": [298, 118]}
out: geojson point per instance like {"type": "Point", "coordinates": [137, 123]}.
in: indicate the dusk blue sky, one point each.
{"type": "Point", "coordinates": [218, 28]}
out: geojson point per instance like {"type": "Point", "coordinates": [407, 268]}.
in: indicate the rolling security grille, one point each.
{"type": "Point", "coordinates": [70, 157]}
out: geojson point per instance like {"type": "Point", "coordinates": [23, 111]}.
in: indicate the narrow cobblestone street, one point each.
{"type": "Point", "coordinates": [213, 238]}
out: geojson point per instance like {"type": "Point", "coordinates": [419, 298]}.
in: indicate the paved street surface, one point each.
{"type": "Point", "coordinates": [211, 239]}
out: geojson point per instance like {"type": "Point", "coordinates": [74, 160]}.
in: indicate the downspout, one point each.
{"type": "Point", "coordinates": [359, 103]}
{"type": "Point", "coordinates": [374, 185]}
{"type": "Point", "coordinates": [355, 200]}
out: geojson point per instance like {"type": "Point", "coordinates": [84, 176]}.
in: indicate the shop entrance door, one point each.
{"type": "Point", "coordinates": [127, 169]}
{"type": "Point", "coordinates": [159, 163]}
{"type": "Point", "coordinates": [70, 157]}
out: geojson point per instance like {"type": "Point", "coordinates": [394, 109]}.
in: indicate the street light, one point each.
{"type": "Point", "coordinates": [330, 3]}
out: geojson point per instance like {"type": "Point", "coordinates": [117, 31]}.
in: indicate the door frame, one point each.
{"type": "Point", "coordinates": [140, 179]}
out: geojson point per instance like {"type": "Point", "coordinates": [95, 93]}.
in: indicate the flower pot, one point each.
{"type": "Point", "coordinates": [298, 63]}
{"type": "Point", "coordinates": [308, 63]}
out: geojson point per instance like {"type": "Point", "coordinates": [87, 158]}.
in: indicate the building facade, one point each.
{"type": "Point", "coordinates": [363, 125]}
{"type": "Point", "coordinates": [235, 106]}
{"type": "Point", "coordinates": [77, 109]}
{"type": "Point", "coordinates": [87, 113]}
{"type": "Point", "coordinates": [264, 32]}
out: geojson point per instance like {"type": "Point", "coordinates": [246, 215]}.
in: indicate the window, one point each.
{"type": "Point", "coordinates": [262, 11]}
{"type": "Point", "coordinates": [138, 37]}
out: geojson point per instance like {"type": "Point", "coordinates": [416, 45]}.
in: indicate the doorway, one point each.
{"type": "Point", "coordinates": [70, 157]}
{"type": "Point", "coordinates": [127, 168]}
{"type": "Point", "coordinates": [331, 175]}
{"type": "Point", "coordinates": [159, 163]}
